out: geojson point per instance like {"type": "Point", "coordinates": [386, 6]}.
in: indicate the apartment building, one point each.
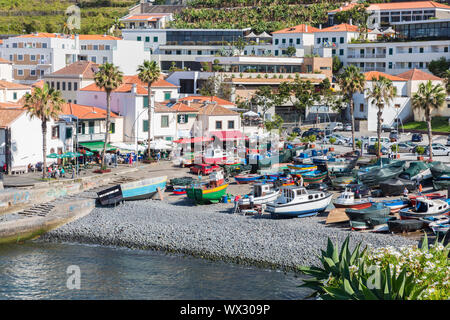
{"type": "Point", "coordinates": [6, 70]}
{"type": "Point", "coordinates": [384, 14]}
{"type": "Point", "coordinates": [146, 20]}
{"type": "Point", "coordinates": [69, 80]}
{"type": "Point", "coordinates": [38, 54]}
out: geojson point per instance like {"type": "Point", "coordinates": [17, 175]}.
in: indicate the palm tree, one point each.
{"type": "Point", "coordinates": [383, 92]}
{"type": "Point", "coordinates": [429, 97]}
{"type": "Point", "coordinates": [108, 78]}
{"type": "Point", "coordinates": [447, 81]}
{"type": "Point", "coordinates": [149, 72]}
{"type": "Point", "coordinates": [44, 104]}
{"type": "Point", "coordinates": [351, 81]}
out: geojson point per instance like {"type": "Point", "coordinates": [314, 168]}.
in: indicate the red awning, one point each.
{"type": "Point", "coordinates": [229, 135]}
{"type": "Point", "coordinates": [193, 140]}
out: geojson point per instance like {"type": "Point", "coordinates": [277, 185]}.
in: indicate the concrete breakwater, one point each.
{"type": "Point", "coordinates": [212, 232]}
{"type": "Point", "coordinates": [31, 227]}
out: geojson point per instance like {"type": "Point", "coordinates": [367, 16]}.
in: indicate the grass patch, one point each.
{"type": "Point", "coordinates": [437, 124]}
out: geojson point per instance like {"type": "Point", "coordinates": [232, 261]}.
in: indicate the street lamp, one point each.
{"type": "Point", "coordinates": [76, 145]}
{"type": "Point", "coordinates": [137, 131]}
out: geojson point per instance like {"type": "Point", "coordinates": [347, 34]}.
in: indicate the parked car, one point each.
{"type": "Point", "coordinates": [371, 149]}
{"type": "Point", "coordinates": [438, 151]}
{"type": "Point", "coordinates": [404, 147]}
{"type": "Point", "coordinates": [317, 186]}
{"type": "Point", "coordinates": [416, 137]}
{"type": "Point", "coordinates": [394, 135]}
{"type": "Point", "coordinates": [318, 132]}
{"type": "Point", "coordinates": [360, 190]}
{"type": "Point", "coordinates": [386, 127]}
{"type": "Point", "coordinates": [448, 141]}
{"type": "Point", "coordinates": [203, 169]}
{"type": "Point", "coordinates": [340, 140]}
{"type": "Point", "coordinates": [348, 127]}
{"type": "Point", "coordinates": [335, 126]}
{"type": "Point", "coordinates": [414, 150]}
{"type": "Point", "coordinates": [372, 140]}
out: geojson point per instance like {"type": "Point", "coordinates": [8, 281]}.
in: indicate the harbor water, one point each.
{"type": "Point", "coordinates": [41, 270]}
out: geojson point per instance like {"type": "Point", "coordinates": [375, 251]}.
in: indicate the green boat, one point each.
{"type": "Point", "coordinates": [342, 182]}
{"type": "Point", "coordinates": [441, 184]}
{"type": "Point", "coordinates": [440, 171]}
{"type": "Point", "coordinates": [203, 195]}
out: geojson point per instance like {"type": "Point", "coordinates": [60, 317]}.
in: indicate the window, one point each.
{"type": "Point", "coordinates": [333, 39]}
{"type": "Point", "coordinates": [445, 49]}
{"type": "Point", "coordinates": [83, 47]}
{"type": "Point", "coordinates": [318, 40]}
{"type": "Point", "coordinates": [361, 107]}
{"type": "Point", "coordinates": [410, 50]}
{"type": "Point", "coordinates": [44, 45]}
{"type": "Point", "coordinates": [139, 38]}
{"type": "Point", "coordinates": [145, 125]}
{"type": "Point", "coordinates": [341, 52]}
{"type": "Point", "coordinates": [145, 101]}
{"type": "Point", "coordinates": [33, 57]}
{"type": "Point", "coordinates": [53, 85]}
{"type": "Point", "coordinates": [58, 87]}
{"type": "Point", "coordinates": [218, 124]}
{"type": "Point", "coordinates": [276, 52]}
{"type": "Point", "coordinates": [420, 50]}
{"type": "Point", "coordinates": [20, 57]}
{"type": "Point", "coordinates": [291, 41]}
{"type": "Point", "coordinates": [69, 86]}
{"type": "Point", "coordinates": [391, 51]}
{"type": "Point", "coordinates": [164, 121]}
{"type": "Point", "coordinates": [333, 51]}
{"type": "Point", "coordinates": [155, 39]}
{"type": "Point", "coordinates": [55, 132]}
{"type": "Point", "coordinates": [182, 118]}
{"type": "Point", "coordinates": [390, 65]}
{"type": "Point", "coordinates": [276, 41]}
{"type": "Point", "coordinates": [298, 40]}
{"type": "Point", "coordinates": [147, 39]}
{"type": "Point", "coordinates": [107, 47]}
{"type": "Point", "coordinates": [95, 47]}
{"type": "Point", "coordinates": [231, 124]}
{"type": "Point", "coordinates": [283, 41]}
{"type": "Point", "coordinates": [32, 72]}
{"type": "Point", "coordinates": [105, 60]}
{"type": "Point", "coordinates": [15, 95]}
{"type": "Point", "coordinates": [199, 52]}
{"type": "Point", "coordinates": [94, 59]}
{"type": "Point", "coordinates": [341, 40]}
{"type": "Point", "coordinates": [63, 86]}
{"type": "Point", "coordinates": [167, 95]}
{"type": "Point", "coordinates": [75, 86]}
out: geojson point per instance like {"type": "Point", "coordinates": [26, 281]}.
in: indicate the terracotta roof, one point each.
{"type": "Point", "coordinates": [85, 112]}
{"type": "Point", "coordinates": [177, 107]}
{"type": "Point", "coordinates": [3, 61]}
{"type": "Point", "coordinates": [301, 28]}
{"type": "Point", "coordinates": [127, 85]}
{"type": "Point", "coordinates": [98, 37]}
{"type": "Point", "coordinates": [343, 27]}
{"type": "Point", "coordinates": [86, 69]}
{"type": "Point", "coordinates": [375, 75]}
{"type": "Point", "coordinates": [269, 80]}
{"type": "Point", "coordinates": [416, 74]}
{"type": "Point", "coordinates": [38, 84]}
{"type": "Point", "coordinates": [9, 112]}
{"type": "Point", "coordinates": [216, 110]}
{"type": "Point", "coordinates": [148, 17]}
{"type": "Point", "coordinates": [203, 99]}
{"type": "Point", "coordinates": [12, 85]}
{"type": "Point", "coordinates": [396, 6]}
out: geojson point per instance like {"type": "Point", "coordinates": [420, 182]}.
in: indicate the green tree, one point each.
{"type": "Point", "coordinates": [239, 45]}
{"type": "Point", "coordinates": [108, 77]}
{"type": "Point", "coordinates": [291, 51]}
{"type": "Point", "coordinates": [439, 67]}
{"type": "Point", "coordinates": [428, 98]}
{"type": "Point", "coordinates": [275, 123]}
{"type": "Point", "coordinates": [265, 99]}
{"type": "Point", "coordinates": [337, 65]}
{"type": "Point", "coordinates": [447, 81]}
{"type": "Point", "coordinates": [383, 92]}
{"type": "Point", "coordinates": [44, 104]}
{"type": "Point", "coordinates": [149, 72]}
{"type": "Point", "coordinates": [215, 86]}
{"type": "Point", "coordinates": [351, 81]}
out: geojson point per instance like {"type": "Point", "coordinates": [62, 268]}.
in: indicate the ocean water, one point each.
{"type": "Point", "coordinates": [38, 270]}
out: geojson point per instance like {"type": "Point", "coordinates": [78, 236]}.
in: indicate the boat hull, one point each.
{"type": "Point", "coordinates": [204, 196]}
{"type": "Point", "coordinates": [246, 179]}
{"type": "Point", "coordinates": [361, 205]}
{"type": "Point", "coordinates": [143, 189]}
{"type": "Point", "coordinates": [305, 209]}
{"type": "Point", "coordinates": [244, 203]}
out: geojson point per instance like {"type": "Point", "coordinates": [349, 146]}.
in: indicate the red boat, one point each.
{"type": "Point", "coordinates": [347, 200]}
{"type": "Point", "coordinates": [430, 196]}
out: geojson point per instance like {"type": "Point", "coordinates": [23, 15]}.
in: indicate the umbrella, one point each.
{"type": "Point", "coordinates": [86, 153]}
{"type": "Point", "coordinates": [71, 155]}
{"type": "Point", "coordinates": [250, 114]}
{"type": "Point", "coordinates": [54, 156]}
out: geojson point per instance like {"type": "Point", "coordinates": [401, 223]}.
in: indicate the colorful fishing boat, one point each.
{"type": "Point", "coordinates": [340, 165]}
{"type": "Point", "coordinates": [431, 196]}
{"type": "Point", "coordinates": [311, 176]}
{"type": "Point", "coordinates": [143, 189]}
{"type": "Point", "coordinates": [178, 191]}
{"type": "Point", "coordinates": [247, 178]}
{"type": "Point", "coordinates": [425, 208]}
{"type": "Point", "coordinates": [397, 204]}
{"type": "Point", "coordinates": [365, 218]}
{"type": "Point", "coordinates": [204, 195]}
{"type": "Point", "coordinates": [439, 224]}
{"type": "Point", "coordinates": [302, 167]}
{"type": "Point", "coordinates": [342, 182]}
{"type": "Point", "coordinates": [347, 200]}
{"type": "Point", "coordinates": [299, 202]}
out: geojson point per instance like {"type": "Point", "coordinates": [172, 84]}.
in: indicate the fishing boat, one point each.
{"type": "Point", "coordinates": [143, 189]}
{"type": "Point", "coordinates": [302, 167]}
{"type": "Point", "coordinates": [397, 226]}
{"type": "Point", "coordinates": [396, 204]}
{"type": "Point", "coordinates": [377, 175]}
{"type": "Point", "coordinates": [347, 200]}
{"type": "Point", "coordinates": [342, 182]}
{"type": "Point", "coordinates": [179, 191]}
{"type": "Point", "coordinates": [425, 208]}
{"type": "Point", "coordinates": [262, 193]}
{"type": "Point", "coordinates": [377, 209]}
{"type": "Point", "coordinates": [396, 186]}
{"type": "Point", "coordinates": [315, 176]}
{"type": "Point", "coordinates": [418, 171]}
{"type": "Point", "coordinates": [381, 163]}
{"type": "Point", "coordinates": [440, 171]}
{"type": "Point", "coordinates": [439, 224]}
{"type": "Point", "coordinates": [204, 195]}
{"type": "Point", "coordinates": [299, 202]}
{"type": "Point", "coordinates": [247, 178]}
{"type": "Point", "coordinates": [340, 165]}
{"type": "Point", "coordinates": [431, 196]}
{"type": "Point", "coordinates": [441, 184]}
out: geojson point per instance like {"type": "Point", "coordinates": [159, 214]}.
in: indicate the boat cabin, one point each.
{"type": "Point", "coordinates": [261, 189]}
{"type": "Point", "coordinates": [299, 194]}
{"type": "Point", "coordinates": [430, 206]}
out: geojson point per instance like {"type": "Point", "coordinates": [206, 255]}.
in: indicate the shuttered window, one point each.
{"type": "Point", "coordinates": [145, 125]}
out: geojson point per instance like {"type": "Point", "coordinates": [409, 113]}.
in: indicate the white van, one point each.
{"type": "Point", "coordinates": [335, 126]}
{"type": "Point", "coordinates": [373, 140]}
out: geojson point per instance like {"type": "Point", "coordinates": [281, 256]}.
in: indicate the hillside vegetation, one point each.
{"type": "Point", "coordinates": [97, 16]}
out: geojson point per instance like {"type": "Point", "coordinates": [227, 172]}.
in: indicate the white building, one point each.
{"type": "Point", "coordinates": [146, 20]}
{"type": "Point", "coordinates": [6, 70]}
{"type": "Point", "coordinates": [12, 92]}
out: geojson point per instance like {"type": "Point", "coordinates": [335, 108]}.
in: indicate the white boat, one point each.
{"type": "Point", "coordinates": [347, 200]}
{"type": "Point", "coordinates": [299, 202]}
{"type": "Point", "coordinates": [439, 224]}
{"type": "Point", "coordinates": [262, 193]}
{"type": "Point", "coordinates": [425, 208]}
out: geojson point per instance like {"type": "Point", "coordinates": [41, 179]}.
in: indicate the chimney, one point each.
{"type": "Point", "coordinates": [351, 21]}
{"type": "Point", "coordinates": [306, 28]}
{"type": "Point", "coordinates": [134, 88]}
{"type": "Point", "coordinates": [320, 26]}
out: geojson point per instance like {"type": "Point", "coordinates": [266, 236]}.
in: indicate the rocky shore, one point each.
{"type": "Point", "coordinates": [213, 232]}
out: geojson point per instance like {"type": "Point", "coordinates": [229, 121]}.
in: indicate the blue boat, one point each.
{"type": "Point", "coordinates": [247, 178]}
{"type": "Point", "coordinates": [143, 189]}
{"type": "Point", "coordinates": [397, 204]}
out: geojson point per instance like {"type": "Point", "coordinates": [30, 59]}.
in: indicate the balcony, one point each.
{"type": "Point", "coordinates": [367, 56]}
{"type": "Point", "coordinates": [91, 137]}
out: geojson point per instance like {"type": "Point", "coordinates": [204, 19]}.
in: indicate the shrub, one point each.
{"type": "Point", "coordinates": [332, 140]}
{"type": "Point", "coordinates": [420, 150]}
{"type": "Point", "coordinates": [359, 144]}
{"type": "Point", "coordinates": [312, 138]}
{"type": "Point", "coordinates": [394, 148]}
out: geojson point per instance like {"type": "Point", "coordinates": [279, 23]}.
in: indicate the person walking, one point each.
{"type": "Point", "coordinates": [158, 156]}
{"type": "Point", "coordinates": [405, 192]}
{"type": "Point", "coordinates": [420, 189]}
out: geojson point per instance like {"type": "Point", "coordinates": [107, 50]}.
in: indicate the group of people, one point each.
{"type": "Point", "coordinates": [56, 172]}
{"type": "Point", "coordinates": [418, 189]}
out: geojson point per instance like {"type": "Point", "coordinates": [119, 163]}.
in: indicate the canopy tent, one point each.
{"type": "Point", "coordinates": [250, 114]}
{"type": "Point", "coordinates": [389, 30]}
{"type": "Point", "coordinates": [70, 155]}
{"type": "Point", "coordinates": [129, 147]}
{"type": "Point", "coordinates": [229, 135]}
{"type": "Point", "coordinates": [193, 140]}
{"type": "Point", "coordinates": [161, 145]}
{"type": "Point", "coordinates": [264, 35]}
{"type": "Point", "coordinates": [375, 31]}
{"type": "Point", "coordinates": [97, 146]}
{"type": "Point", "coordinates": [251, 35]}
